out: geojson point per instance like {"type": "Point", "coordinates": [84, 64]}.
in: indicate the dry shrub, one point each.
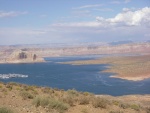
{"type": "Point", "coordinates": [147, 110]}
{"type": "Point", "coordinates": [47, 90]}
{"type": "Point", "coordinates": [26, 95]}
{"type": "Point", "coordinates": [69, 100]}
{"type": "Point", "coordinates": [73, 92]}
{"type": "Point", "coordinates": [124, 105]}
{"type": "Point", "coordinates": [83, 100]}
{"type": "Point", "coordinates": [99, 103]}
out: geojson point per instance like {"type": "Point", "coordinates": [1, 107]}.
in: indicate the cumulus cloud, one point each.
{"type": "Point", "coordinates": [4, 14]}
{"type": "Point", "coordinates": [130, 18]}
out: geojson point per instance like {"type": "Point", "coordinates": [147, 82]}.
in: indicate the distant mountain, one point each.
{"type": "Point", "coordinates": [120, 42]}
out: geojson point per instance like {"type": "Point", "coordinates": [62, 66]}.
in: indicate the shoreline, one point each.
{"type": "Point", "coordinates": [134, 68]}
{"type": "Point", "coordinates": [131, 78]}
{"type": "Point", "coordinates": [41, 60]}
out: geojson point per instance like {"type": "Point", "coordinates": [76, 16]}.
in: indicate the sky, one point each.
{"type": "Point", "coordinates": [73, 21]}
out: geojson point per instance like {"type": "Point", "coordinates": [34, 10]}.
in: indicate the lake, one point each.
{"type": "Point", "coordinates": [88, 78]}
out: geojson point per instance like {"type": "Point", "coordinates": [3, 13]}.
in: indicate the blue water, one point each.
{"type": "Point", "coordinates": [82, 78]}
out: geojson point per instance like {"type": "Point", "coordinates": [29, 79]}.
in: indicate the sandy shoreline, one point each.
{"type": "Point", "coordinates": [131, 78]}
{"type": "Point", "coordinates": [134, 68]}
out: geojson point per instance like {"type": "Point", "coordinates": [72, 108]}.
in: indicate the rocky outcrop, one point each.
{"type": "Point", "coordinates": [19, 56]}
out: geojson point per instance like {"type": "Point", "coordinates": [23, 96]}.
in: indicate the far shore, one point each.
{"type": "Point", "coordinates": [15, 61]}
{"type": "Point", "coordinates": [134, 68]}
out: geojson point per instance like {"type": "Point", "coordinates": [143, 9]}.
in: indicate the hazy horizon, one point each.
{"type": "Point", "coordinates": [86, 21]}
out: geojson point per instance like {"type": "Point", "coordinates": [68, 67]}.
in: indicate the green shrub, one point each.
{"type": "Point", "coordinates": [18, 88]}
{"type": "Point", "coordinates": [5, 110]}
{"type": "Point", "coordinates": [116, 102]}
{"type": "Point", "coordinates": [135, 107]}
{"type": "Point", "coordinates": [1, 86]}
{"type": "Point", "coordinates": [116, 112]}
{"type": "Point", "coordinates": [84, 110]}
{"type": "Point", "coordinates": [26, 95]}
{"type": "Point", "coordinates": [41, 101]}
{"type": "Point", "coordinates": [58, 105]}
{"type": "Point", "coordinates": [73, 92]}
{"type": "Point", "coordinates": [50, 103]}
{"type": "Point", "coordinates": [99, 102]}
{"type": "Point", "coordinates": [86, 93]}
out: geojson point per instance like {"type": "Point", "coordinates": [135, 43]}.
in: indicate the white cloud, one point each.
{"type": "Point", "coordinates": [131, 18]}
{"type": "Point", "coordinates": [89, 6]}
{"type": "Point", "coordinates": [4, 14]}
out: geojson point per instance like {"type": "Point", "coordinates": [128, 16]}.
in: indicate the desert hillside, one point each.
{"type": "Point", "coordinates": [20, 98]}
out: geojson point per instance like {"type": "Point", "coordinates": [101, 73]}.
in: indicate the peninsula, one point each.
{"type": "Point", "coordinates": [133, 68]}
